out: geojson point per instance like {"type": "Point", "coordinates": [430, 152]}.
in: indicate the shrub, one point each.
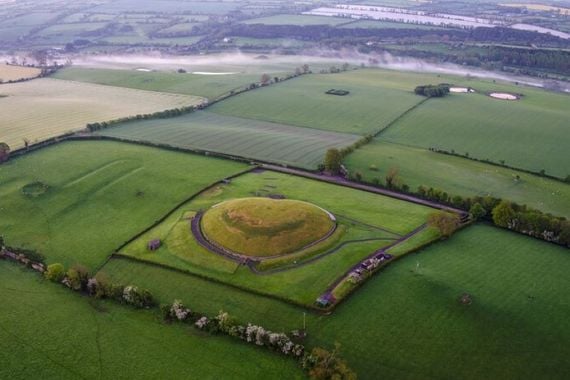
{"type": "Point", "coordinates": [77, 276]}
{"type": "Point", "coordinates": [446, 222]}
{"type": "Point", "coordinates": [324, 365]}
{"type": "Point", "coordinates": [137, 298]}
{"type": "Point", "coordinates": [55, 272]}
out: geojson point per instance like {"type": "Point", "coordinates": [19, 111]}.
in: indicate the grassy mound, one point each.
{"type": "Point", "coordinates": [265, 227]}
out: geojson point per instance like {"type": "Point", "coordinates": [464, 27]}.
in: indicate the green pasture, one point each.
{"type": "Point", "coordinates": [374, 101]}
{"type": "Point", "coordinates": [459, 176]}
{"type": "Point", "coordinates": [532, 133]}
{"type": "Point", "coordinates": [99, 195]}
{"type": "Point", "coordinates": [367, 222]}
{"type": "Point", "coordinates": [208, 86]}
{"type": "Point", "coordinates": [406, 322]}
{"type": "Point", "coordinates": [48, 332]}
{"type": "Point", "coordinates": [255, 139]}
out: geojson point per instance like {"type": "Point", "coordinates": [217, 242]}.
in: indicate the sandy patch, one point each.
{"type": "Point", "coordinates": [461, 90]}
{"type": "Point", "coordinates": [503, 96]}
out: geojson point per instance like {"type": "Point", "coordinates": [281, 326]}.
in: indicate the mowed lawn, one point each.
{"type": "Point", "coordinates": [255, 139]}
{"type": "Point", "coordinates": [532, 133]}
{"type": "Point", "coordinates": [374, 101]}
{"type": "Point", "coordinates": [48, 332]}
{"type": "Point", "coordinates": [406, 322]}
{"type": "Point", "coordinates": [367, 222]}
{"type": "Point", "coordinates": [208, 86]}
{"type": "Point", "coordinates": [459, 176]}
{"type": "Point", "coordinates": [100, 194]}
{"type": "Point", "coordinates": [45, 108]}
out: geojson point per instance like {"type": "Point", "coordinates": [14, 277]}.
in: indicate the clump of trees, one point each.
{"type": "Point", "coordinates": [432, 91]}
{"type": "Point", "coordinates": [4, 152]}
{"type": "Point", "coordinates": [327, 365]}
{"type": "Point", "coordinates": [445, 222]}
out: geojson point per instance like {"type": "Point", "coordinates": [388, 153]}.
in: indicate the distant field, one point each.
{"type": "Point", "coordinates": [302, 147]}
{"type": "Point", "coordinates": [100, 194]}
{"type": "Point", "coordinates": [64, 106]}
{"type": "Point", "coordinates": [532, 133]}
{"type": "Point", "coordinates": [208, 86]}
{"type": "Point", "coordinates": [459, 176]}
{"type": "Point", "coordinates": [12, 73]}
{"type": "Point", "coordinates": [167, 6]}
{"type": "Point", "coordinates": [368, 221]}
{"type": "Point", "coordinates": [409, 316]}
{"type": "Point", "coordinates": [371, 24]}
{"type": "Point", "coordinates": [375, 100]}
{"type": "Point", "coordinates": [297, 20]}
{"type": "Point", "coordinates": [63, 335]}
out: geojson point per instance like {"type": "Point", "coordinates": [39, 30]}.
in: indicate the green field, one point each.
{"type": "Point", "coordinates": [48, 332]}
{"type": "Point", "coordinates": [407, 323]}
{"type": "Point", "coordinates": [372, 24]}
{"type": "Point", "coordinates": [297, 20]}
{"type": "Point", "coordinates": [366, 221]}
{"type": "Point", "coordinates": [63, 106]}
{"type": "Point", "coordinates": [208, 86]}
{"type": "Point", "coordinates": [100, 194]}
{"type": "Point", "coordinates": [459, 176]}
{"type": "Point", "coordinates": [375, 100]}
{"type": "Point", "coordinates": [265, 141]}
{"type": "Point", "coordinates": [532, 133]}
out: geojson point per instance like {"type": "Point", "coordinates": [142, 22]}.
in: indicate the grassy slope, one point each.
{"type": "Point", "coordinates": [532, 133]}
{"type": "Point", "coordinates": [374, 101]}
{"type": "Point", "coordinates": [265, 227]}
{"type": "Point", "coordinates": [270, 142]}
{"type": "Point", "coordinates": [63, 106]}
{"type": "Point", "coordinates": [460, 176]}
{"type": "Point", "coordinates": [301, 284]}
{"type": "Point", "coordinates": [92, 205]}
{"type": "Point", "coordinates": [208, 86]}
{"type": "Point", "coordinates": [407, 324]}
{"type": "Point", "coordinates": [47, 332]}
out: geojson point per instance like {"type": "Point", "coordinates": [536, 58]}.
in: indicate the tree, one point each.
{"type": "Point", "coordinates": [392, 177]}
{"type": "Point", "coordinates": [55, 272]}
{"type": "Point", "coordinates": [78, 275]}
{"type": "Point", "coordinates": [265, 79]}
{"type": "Point", "coordinates": [477, 210]}
{"type": "Point", "coordinates": [504, 215]}
{"type": "Point", "coordinates": [4, 152]}
{"type": "Point", "coordinates": [324, 365]}
{"type": "Point", "coordinates": [333, 160]}
{"type": "Point", "coordinates": [305, 68]}
{"type": "Point", "coordinates": [446, 222]}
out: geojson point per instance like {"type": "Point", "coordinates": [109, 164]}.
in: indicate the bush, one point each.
{"type": "Point", "coordinates": [324, 365]}
{"type": "Point", "coordinates": [137, 298]}
{"type": "Point", "coordinates": [55, 272]}
{"type": "Point", "coordinates": [77, 276]}
{"type": "Point", "coordinates": [446, 222]}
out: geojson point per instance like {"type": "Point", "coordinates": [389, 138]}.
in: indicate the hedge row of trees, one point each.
{"type": "Point", "coordinates": [156, 115]}
{"type": "Point", "coordinates": [319, 363]}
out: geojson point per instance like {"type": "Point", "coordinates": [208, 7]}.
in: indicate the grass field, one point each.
{"type": "Point", "coordinates": [366, 222]}
{"type": "Point", "coordinates": [372, 24]}
{"type": "Point", "coordinates": [531, 133]}
{"type": "Point", "coordinates": [63, 106]}
{"type": "Point", "coordinates": [100, 194]}
{"type": "Point", "coordinates": [374, 101]}
{"type": "Point", "coordinates": [48, 332]}
{"type": "Point", "coordinates": [12, 73]}
{"type": "Point", "coordinates": [407, 323]}
{"type": "Point", "coordinates": [297, 20]}
{"type": "Point", "coordinates": [265, 141]}
{"type": "Point", "coordinates": [459, 176]}
{"type": "Point", "coordinates": [256, 226]}
{"type": "Point", "coordinates": [208, 86]}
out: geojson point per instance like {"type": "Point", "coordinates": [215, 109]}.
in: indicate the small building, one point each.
{"type": "Point", "coordinates": [154, 244]}
{"type": "Point", "coordinates": [326, 300]}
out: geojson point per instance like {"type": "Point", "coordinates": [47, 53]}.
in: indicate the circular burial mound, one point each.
{"type": "Point", "coordinates": [266, 227]}
{"type": "Point", "coordinates": [35, 189]}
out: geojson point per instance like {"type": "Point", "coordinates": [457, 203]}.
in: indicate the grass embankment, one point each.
{"type": "Point", "coordinates": [407, 321]}
{"type": "Point", "coordinates": [99, 194]}
{"type": "Point", "coordinates": [48, 332]}
{"type": "Point", "coordinates": [265, 227]}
